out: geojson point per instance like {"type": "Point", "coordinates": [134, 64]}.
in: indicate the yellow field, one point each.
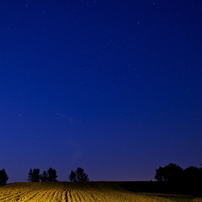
{"type": "Point", "coordinates": [75, 192]}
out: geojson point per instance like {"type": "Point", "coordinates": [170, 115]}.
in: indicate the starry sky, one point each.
{"type": "Point", "coordinates": [111, 86]}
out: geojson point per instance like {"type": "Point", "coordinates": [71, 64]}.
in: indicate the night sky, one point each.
{"type": "Point", "coordinates": [112, 86]}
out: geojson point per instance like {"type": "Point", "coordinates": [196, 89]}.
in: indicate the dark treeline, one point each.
{"type": "Point", "coordinates": [171, 179]}
{"type": "Point", "coordinates": [174, 179]}
{"type": "Point", "coordinates": [35, 176]}
{"type": "Point", "coordinates": [49, 175]}
{"type": "Point", "coordinates": [174, 173]}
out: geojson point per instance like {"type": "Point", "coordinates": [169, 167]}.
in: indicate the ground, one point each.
{"type": "Point", "coordinates": [79, 192]}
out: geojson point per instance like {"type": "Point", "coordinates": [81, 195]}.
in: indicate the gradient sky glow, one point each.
{"type": "Point", "coordinates": [114, 87]}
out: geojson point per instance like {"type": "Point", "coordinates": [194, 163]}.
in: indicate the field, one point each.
{"type": "Point", "coordinates": [76, 192]}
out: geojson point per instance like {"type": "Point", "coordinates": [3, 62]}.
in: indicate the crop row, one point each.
{"type": "Point", "coordinates": [71, 192]}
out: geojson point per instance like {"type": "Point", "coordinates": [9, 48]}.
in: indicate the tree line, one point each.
{"type": "Point", "coordinates": [170, 173]}
{"type": "Point", "coordinates": [34, 175]}
{"type": "Point", "coordinates": [174, 173]}
{"type": "Point", "coordinates": [51, 175]}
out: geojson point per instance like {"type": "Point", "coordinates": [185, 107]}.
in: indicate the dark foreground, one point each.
{"type": "Point", "coordinates": [185, 188]}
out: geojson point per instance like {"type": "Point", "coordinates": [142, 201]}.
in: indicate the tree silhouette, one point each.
{"type": "Point", "coordinates": [78, 176]}
{"type": "Point", "coordinates": [169, 173]}
{"type": "Point", "coordinates": [72, 176]}
{"type": "Point", "coordinates": [81, 175]}
{"type": "Point", "coordinates": [3, 177]}
{"type": "Point", "coordinates": [52, 175]}
{"type": "Point", "coordinates": [44, 176]}
{"type": "Point", "coordinates": [160, 174]}
{"type": "Point", "coordinates": [34, 175]}
{"type": "Point", "coordinates": [192, 174]}
{"type": "Point", "coordinates": [173, 172]}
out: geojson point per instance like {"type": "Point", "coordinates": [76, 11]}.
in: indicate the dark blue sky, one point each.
{"type": "Point", "coordinates": [112, 86]}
